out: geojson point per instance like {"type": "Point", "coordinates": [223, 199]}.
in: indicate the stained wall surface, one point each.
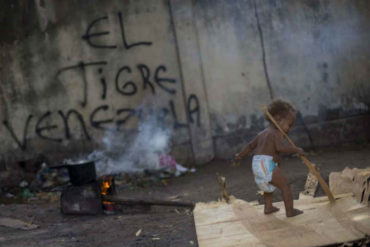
{"type": "Point", "coordinates": [74, 73]}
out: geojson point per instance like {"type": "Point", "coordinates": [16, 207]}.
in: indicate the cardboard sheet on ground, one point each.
{"type": "Point", "coordinates": [243, 224]}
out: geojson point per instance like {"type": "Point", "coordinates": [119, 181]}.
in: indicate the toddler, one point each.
{"type": "Point", "coordinates": [267, 146]}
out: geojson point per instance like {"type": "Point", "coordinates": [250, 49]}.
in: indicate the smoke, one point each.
{"type": "Point", "coordinates": [134, 152]}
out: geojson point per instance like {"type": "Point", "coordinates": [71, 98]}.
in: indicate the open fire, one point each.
{"type": "Point", "coordinates": [107, 188]}
{"type": "Point", "coordinates": [87, 193]}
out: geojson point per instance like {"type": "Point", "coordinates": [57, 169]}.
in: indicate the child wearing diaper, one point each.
{"type": "Point", "coordinates": [267, 146]}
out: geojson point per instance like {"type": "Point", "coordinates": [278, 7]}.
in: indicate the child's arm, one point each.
{"type": "Point", "coordinates": [280, 147]}
{"type": "Point", "coordinates": [248, 149]}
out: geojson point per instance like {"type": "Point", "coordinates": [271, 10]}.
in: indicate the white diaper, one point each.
{"type": "Point", "coordinates": [263, 166]}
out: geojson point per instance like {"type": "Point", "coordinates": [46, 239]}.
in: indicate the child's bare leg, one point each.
{"type": "Point", "coordinates": [279, 180]}
{"type": "Point", "coordinates": [269, 209]}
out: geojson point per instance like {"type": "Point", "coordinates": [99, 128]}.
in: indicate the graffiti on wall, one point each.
{"type": "Point", "coordinates": [152, 80]}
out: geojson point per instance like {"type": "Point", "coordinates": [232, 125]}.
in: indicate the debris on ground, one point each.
{"type": "Point", "coordinates": [20, 174]}
{"type": "Point", "coordinates": [311, 185]}
{"type": "Point", "coordinates": [48, 196]}
{"type": "Point", "coordinates": [354, 181]}
{"type": "Point", "coordinates": [25, 178]}
{"type": "Point", "coordinates": [17, 224]}
{"type": "Point", "coordinates": [23, 184]}
{"type": "Point", "coordinates": [235, 163]}
{"type": "Point", "coordinates": [222, 181]}
{"type": "Point", "coordinates": [167, 161]}
{"type": "Point", "coordinates": [33, 178]}
{"type": "Point", "coordinates": [138, 232]}
{"type": "Point", "coordinates": [361, 186]}
{"type": "Point", "coordinates": [341, 182]}
{"type": "Point", "coordinates": [48, 178]}
{"type": "Point", "coordinates": [9, 195]}
{"type": "Point", "coordinates": [168, 168]}
{"type": "Point", "coordinates": [27, 194]}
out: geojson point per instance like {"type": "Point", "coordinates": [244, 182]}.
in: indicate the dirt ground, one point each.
{"type": "Point", "coordinates": [162, 226]}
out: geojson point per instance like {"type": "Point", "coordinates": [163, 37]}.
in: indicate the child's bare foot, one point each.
{"type": "Point", "coordinates": [271, 210]}
{"type": "Point", "coordinates": [294, 212]}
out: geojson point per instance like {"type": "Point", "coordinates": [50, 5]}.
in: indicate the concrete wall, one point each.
{"type": "Point", "coordinates": [206, 65]}
{"type": "Point", "coordinates": [313, 53]}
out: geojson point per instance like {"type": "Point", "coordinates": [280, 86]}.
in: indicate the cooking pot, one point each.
{"type": "Point", "coordinates": [82, 172]}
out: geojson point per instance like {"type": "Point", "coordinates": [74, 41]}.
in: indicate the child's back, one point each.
{"type": "Point", "coordinates": [266, 143]}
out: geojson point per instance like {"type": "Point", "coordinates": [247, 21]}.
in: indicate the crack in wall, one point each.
{"type": "Point", "coordinates": [268, 82]}
{"type": "Point", "coordinates": [178, 57]}
{"type": "Point", "coordinates": [201, 64]}
{"type": "Point", "coordinates": [263, 51]}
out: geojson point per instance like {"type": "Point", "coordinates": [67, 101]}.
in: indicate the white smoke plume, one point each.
{"type": "Point", "coordinates": [121, 153]}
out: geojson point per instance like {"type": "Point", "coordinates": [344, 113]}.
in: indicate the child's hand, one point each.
{"type": "Point", "coordinates": [237, 157]}
{"type": "Point", "coordinates": [236, 160]}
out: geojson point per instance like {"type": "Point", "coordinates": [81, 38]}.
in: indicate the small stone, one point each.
{"type": "Point", "coordinates": [23, 184]}
{"type": "Point", "coordinates": [9, 195]}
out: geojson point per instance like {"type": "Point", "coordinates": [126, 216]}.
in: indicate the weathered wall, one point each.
{"type": "Point", "coordinates": [101, 63]}
{"type": "Point", "coordinates": [206, 65]}
{"type": "Point", "coordinates": [313, 53]}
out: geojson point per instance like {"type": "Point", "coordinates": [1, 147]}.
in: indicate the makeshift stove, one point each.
{"type": "Point", "coordinates": [89, 195]}
{"type": "Point", "coordinates": [86, 194]}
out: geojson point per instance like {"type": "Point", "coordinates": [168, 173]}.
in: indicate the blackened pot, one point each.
{"type": "Point", "coordinates": [82, 173]}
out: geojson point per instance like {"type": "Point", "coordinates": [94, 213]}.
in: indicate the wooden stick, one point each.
{"type": "Point", "coordinates": [124, 201]}
{"type": "Point", "coordinates": [304, 159]}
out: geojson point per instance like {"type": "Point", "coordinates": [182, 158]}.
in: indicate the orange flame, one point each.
{"type": "Point", "coordinates": [104, 187]}
{"type": "Point", "coordinates": [106, 184]}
